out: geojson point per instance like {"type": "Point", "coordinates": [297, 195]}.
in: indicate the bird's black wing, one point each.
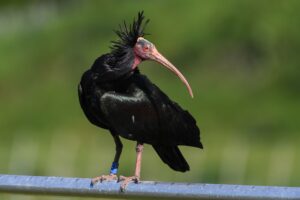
{"type": "Point", "coordinates": [131, 114]}
{"type": "Point", "coordinates": [147, 115]}
{"type": "Point", "coordinates": [174, 122]}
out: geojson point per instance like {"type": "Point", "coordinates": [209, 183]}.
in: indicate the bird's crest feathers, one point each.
{"type": "Point", "coordinates": [128, 35]}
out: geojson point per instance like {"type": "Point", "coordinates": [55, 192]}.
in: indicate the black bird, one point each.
{"type": "Point", "coordinates": [114, 95]}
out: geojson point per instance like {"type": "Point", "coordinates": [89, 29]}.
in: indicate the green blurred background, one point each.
{"type": "Point", "coordinates": [241, 58]}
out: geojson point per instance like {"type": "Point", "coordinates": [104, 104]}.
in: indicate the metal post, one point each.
{"type": "Point", "coordinates": [81, 187]}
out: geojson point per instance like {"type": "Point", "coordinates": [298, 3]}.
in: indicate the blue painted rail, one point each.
{"type": "Point", "coordinates": [81, 187]}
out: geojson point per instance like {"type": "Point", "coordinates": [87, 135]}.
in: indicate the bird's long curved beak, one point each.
{"type": "Point", "coordinates": [156, 56]}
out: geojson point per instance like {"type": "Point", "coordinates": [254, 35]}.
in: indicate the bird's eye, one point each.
{"type": "Point", "coordinates": [145, 48]}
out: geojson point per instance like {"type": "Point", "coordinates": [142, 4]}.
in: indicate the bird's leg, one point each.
{"type": "Point", "coordinates": [136, 177]}
{"type": "Point", "coordinates": [114, 167]}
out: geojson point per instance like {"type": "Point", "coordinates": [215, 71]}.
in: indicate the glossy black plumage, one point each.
{"type": "Point", "coordinates": [117, 97]}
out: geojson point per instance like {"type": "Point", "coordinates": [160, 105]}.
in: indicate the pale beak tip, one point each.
{"type": "Point", "coordinates": [189, 89]}
{"type": "Point", "coordinates": [192, 95]}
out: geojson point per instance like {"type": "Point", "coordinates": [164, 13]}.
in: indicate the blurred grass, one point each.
{"type": "Point", "coordinates": [241, 58]}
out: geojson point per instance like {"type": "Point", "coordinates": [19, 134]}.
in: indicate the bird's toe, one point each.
{"type": "Point", "coordinates": [110, 177]}
{"type": "Point", "coordinates": [126, 180]}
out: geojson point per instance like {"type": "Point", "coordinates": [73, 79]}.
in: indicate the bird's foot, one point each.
{"type": "Point", "coordinates": [126, 180]}
{"type": "Point", "coordinates": [110, 177]}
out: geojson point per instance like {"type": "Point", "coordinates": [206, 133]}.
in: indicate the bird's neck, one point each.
{"type": "Point", "coordinates": [126, 60]}
{"type": "Point", "coordinates": [136, 62]}
{"type": "Point", "coordinates": [115, 66]}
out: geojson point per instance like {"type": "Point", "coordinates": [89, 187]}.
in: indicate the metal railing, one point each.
{"type": "Point", "coordinates": [82, 187]}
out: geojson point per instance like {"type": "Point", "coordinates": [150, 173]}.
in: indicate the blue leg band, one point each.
{"type": "Point", "coordinates": [114, 168]}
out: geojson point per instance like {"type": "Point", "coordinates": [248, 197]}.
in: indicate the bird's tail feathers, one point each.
{"type": "Point", "coordinates": [172, 156]}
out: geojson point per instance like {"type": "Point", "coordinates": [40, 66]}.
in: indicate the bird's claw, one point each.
{"type": "Point", "coordinates": [110, 177]}
{"type": "Point", "coordinates": [126, 180]}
